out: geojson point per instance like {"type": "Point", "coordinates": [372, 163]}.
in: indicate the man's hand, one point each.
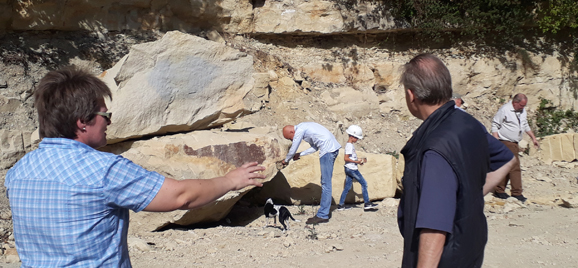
{"type": "Point", "coordinates": [536, 144]}
{"type": "Point", "coordinates": [195, 193]}
{"type": "Point", "coordinates": [282, 164]}
{"type": "Point", "coordinates": [245, 175]}
{"type": "Point", "coordinates": [296, 156]}
{"type": "Point", "coordinates": [534, 140]}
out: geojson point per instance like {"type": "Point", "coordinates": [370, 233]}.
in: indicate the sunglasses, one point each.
{"type": "Point", "coordinates": [105, 115]}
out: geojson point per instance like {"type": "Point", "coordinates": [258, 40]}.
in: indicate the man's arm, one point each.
{"type": "Point", "coordinates": [431, 246]}
{"type": "Point", "coordinates": [497, 123]}
{"type": "Point", "coordinates": [347, 159]}
{"type": "Point", "coordinates": [495, 177]}
{"type": "Point", "coordinates": [297, 138]}
{"type": "Point", "coordinates": [437, 207]}
{"type": "Point", "coordinates": [501, 162]}
{"type": "Point", "coordinates": [534, 140]}
{"type": "Point", "coordinates": [194, 193]}
{"type": "Point", "coordinates": [308, 151]}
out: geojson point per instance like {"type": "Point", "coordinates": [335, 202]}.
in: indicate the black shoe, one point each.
{"type": "Point", "coordinates": [501, 195]}
{"type": "Point", "coordinates": [316, 220]}
{"type": "Point", "coordinates": [369, 206]}
{"type": "Point", "coordinates": [520, 197]}
{"type": "Point", "coordinates": [340, 207]}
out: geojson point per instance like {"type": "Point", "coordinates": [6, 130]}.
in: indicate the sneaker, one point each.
{"type": "Point", "coordinates": [342, 207]}
{"type": "Point", "coordinates": [501, 195]}
{"type": "Point", "coordinates": [520, 197]}
{"type": "Point", "coordinates": [316, 220]}
{"type": "Point", "coordinates": [369, 205]}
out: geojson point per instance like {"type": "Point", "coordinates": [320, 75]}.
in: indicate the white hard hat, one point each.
{"type": "Point", "coordinates": [355, 131]}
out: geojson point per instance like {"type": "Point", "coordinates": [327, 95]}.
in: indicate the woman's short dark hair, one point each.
{"type": "Point", "coordinates": [428, 78]}
{"type": "Point", "coordinates": [65, 96]}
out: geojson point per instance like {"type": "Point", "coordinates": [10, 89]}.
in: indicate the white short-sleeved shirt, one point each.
{"type": "Point", "coordinates": [350, 150]}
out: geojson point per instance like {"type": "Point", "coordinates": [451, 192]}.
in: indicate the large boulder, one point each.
{"type": "Point", "coordinates": [559, 147]}
{"type": "Point", "coordinates": [300, 182]}
{"type": "Point", "coordinates": [200, 155]}
{"type": "Point", "coordinates": [177, 84]}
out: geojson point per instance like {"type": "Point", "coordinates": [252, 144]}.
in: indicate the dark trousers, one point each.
{"type": "Point", "coordinates": [515, 175]}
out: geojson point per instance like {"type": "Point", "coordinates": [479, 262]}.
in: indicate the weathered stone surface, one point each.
{"type": "Point", "coordinates": [233, 16]}
{"type": "Point", "coordinates": [284, 84]}
{"type": "Point", "coordinates": [320, 16]}
{"type": "Point", "coordinates": [348, 101]}
{"type": "Point", "coordinates": [477, 76]}
{"type": "Point", "coordinates": [200, 155]}
{"type": "Point", "coordinates": [325, 72]}
{"type": "Point", "coordinates": [570, 202]}
{"type": "Point", "coordinates": [107, 15]}
{"type": "Point", "coordinates": [11, 147]}
{"type": "Point", "coordinates": [559, 147]}
{"type": "Point", "coordinates": [179, 83]}
{"type": "Point", "coordinates": [304, 16]}
{"type": "Point", "coordinates": [390, 94]}
{"type": "Point", "coordinates": [400, 167]}
{"type": "Point", "coordinates": [261, 89]}
{"type": "Point", "coordinates": [300, 183]}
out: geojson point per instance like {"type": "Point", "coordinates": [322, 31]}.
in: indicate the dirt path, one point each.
{"type": "Point", "coordinates": [530, 235]}
{"type": "Point", "coordinates": [539, 233]}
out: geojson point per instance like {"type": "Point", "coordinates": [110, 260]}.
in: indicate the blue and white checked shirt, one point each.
{"type": "Point", "coordinates": [70, 204]}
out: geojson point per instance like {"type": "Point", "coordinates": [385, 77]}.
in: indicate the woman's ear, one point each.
{"type": "Point", "coordinates": [81, 125]}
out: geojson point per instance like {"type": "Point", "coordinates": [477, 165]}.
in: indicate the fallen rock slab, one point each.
{"type": "Point", "coordinates": [199, 155]}
{"type": "Point", "coordinates": [177, 84]}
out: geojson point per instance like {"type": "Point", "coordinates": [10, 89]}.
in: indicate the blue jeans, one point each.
{"type": "Point", "coordinates": [326, 162]}
{"type": "Point", "coordinates": [351, 174]}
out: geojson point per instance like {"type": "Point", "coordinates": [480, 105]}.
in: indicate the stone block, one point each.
{"type": "Point", "coordinates": [300, 182]}
{"type": "Point", "coordinates": [559, 147]}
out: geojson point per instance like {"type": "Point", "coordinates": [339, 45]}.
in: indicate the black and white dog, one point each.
{"type": "Point", "coordinates": [272, 211]}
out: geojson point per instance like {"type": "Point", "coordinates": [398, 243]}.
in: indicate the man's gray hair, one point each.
{"type": "Point", "coordinates": [428, 78]}
{"type": "Point", "coordinates": [519, 97]}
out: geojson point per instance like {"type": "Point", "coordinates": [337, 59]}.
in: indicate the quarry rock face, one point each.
{"type": "Point", "coordinates": [200, 155]}
{"type": "Point", "coordinates": [176, 84]}
{"type": "Point", "coordinates": [298, 16]}
{"type": "Point", "coordinates": [108, 15]}
{"type": "Point", "coordinates": [182, 83]}
{"type": "Point", "coordinates": [231, 16]}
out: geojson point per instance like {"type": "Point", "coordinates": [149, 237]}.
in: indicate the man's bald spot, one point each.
{"type": "Point", "coordinates": [288, 132]}
{"type": "Point", "coordinates": [519, 97]}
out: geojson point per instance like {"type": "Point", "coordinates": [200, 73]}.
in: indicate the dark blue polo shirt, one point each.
{"type": "Point", "coordinates": [439, 185]}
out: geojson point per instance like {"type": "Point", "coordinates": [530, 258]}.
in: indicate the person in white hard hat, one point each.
{"type": "Point", "coordinates": [351, 170]}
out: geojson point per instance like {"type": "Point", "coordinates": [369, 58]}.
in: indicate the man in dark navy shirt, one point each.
{"type": "Point", "coordinates": [439, 186]}
{"type": "Point", "coordinates": [451, 162]}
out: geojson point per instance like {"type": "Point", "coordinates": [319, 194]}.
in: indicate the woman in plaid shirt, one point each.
{"type": "Point", "coordinates": [70, 202]}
